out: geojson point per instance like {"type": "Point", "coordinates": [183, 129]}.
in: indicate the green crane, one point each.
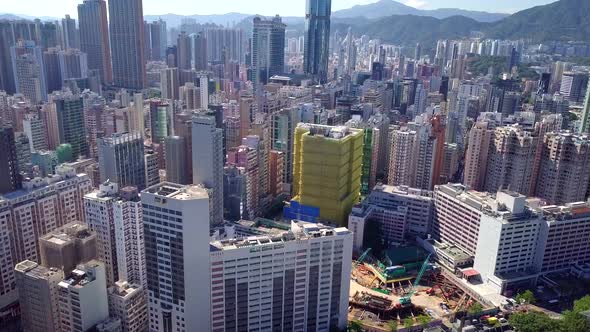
{"type": "Point", "coordinates": [407, 300]}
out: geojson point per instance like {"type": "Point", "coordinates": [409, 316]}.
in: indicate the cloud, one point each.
{"type": "Point", "coordinates": [415, 3]}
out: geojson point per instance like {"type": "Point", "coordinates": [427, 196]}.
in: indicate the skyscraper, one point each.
{"type": "Point", "coordinates": [6, 73]}
{"type": "Point", "coordinates": [94, 37]}
{"type": "Point", "coordinates": [71, 37]}
{"type": "Point", "coordinates": [70, 119]}
{"type": "Point", "coordinates": [326, 172]}
{"type": "Point", "coordinates": [28, 71]}
{"type": "Point", "coordinates": [158, 40]}
{"type": "Point", "coordinates": [176, 160]}
{"type": "Point", "coordinates": [585, 125]}
{"type": "Point", "coordinates": [476, 157]}
{"type": "Point", "coordinates": [268, 49]}
{"type": "Point", "coordinates": [317, 38]}
{"type": "Point", "coordinates": [564, 172]}
{"type": "Point", "coordinates": [10, 179]}
{"type": "Point", "coordinates": [183, 44]}
{"type": "Point", "coordinates": [511, 155]}
{"type": "Point", "coordinates": [121, 159]}
{"type": "Point", "coordinates": [207, 146]}
{"type": "Point", "coordinates": [176, 228]}
{"type": "Point", "coordinates": [200, 51]}
{"type": "Point", "coordinates": [127, 43]}
{"type": "Point", "coordinates": [169, 83]}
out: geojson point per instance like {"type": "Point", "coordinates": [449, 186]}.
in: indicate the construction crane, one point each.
{"type": "Point", "coordinates": [363, 256]}
{"type": "Point", "coordinates": [407, 300]}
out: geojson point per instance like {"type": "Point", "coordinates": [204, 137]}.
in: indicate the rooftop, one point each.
{"type": "Point", "coordinates": [177, 191]}
{"type": "Point", "coordinates": [333, 132]}
{"type": "Point", "coordinates": [299, 231]}
{"type": "Point", "coordinates": [67, 233]}
{"type": "Point", "coordinates": [33, 269]}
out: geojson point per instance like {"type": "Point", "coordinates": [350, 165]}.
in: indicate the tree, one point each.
{"type": "Point", "coordinates": [423, 320]}
{"type": "Point", "coordinates": [355, 326]}
{"type": "Point", "coordinates": [408, 323]}
{"type": "Point", "coordinates": [392, 326]}
{"type": "Point", "coordinates": [533, 322]}
{"type": "Point", "coordinates": [574, 322]}
{"type": "Point", "coordinates": [526, 297]}
{"type": "Point", "coordinates": [475, 309]}
{"type": "Point", "coordinates": [582, 304]}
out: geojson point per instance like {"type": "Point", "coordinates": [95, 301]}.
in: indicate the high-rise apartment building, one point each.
{"type": "Point", "coordinates": [129, 238]}
{"type": "Point", "coordinates": [476, 157]}
{"type": "Point", "coordinates": [70, 35]}
{"type": "Point", "coordinates": [326, 171]}
{"type": "Point", "coordinates": [10, 179]}
{"type": "Point", "coordinates": [207, 156]}
{"type": "Point", "coordinates": [152, 167]}
{"type": "Point", "coordinates": [190, 95]}
{"type": "Point", "coordinates": [60, 199]}
{"type": "Point", "coordinates": [94, 37]}
{"type": "Point", "coordinates": [29, 71]}
{"type": "Point", "coordinates": [228, 39]}
{"type": "Point", "coordinates": [38, 298]}
{"type": "Point", "coordinates": [399, 211]}
{"type": "Point", "coordinates": [121, 159]}
{"type": "Point", "coordinates": [511, 155]}
{"type": "Point", "coordinates": [6, 73]}
{"type": "Point", "coordinates": [564, 170]}
{"type": "Point", "coordinates": [70, 119]}
{"type": "Point", "coordinates": [268, 49]}
{"type": "Point", "coordinates": [585, 121]}
{"type": "Point", "coordinates": [158, 40]}
{"type": "Point", "coordinates": [83, 301]}
{"type": "Point", "coordinates": [200, 51]}
{"type": "Point", "coordinates": [67, 246]}
{"type": "Point", "coordinates": [176, 228]}
{"type": "Point", "coordinates": [176, 171]}
{"type": "Point", "coordinates": [303, 284]}
{"type": "Point", "coordinates": [127, 38]}
{"type": "Point", "coordinates": [506, 225]}
{"type": "Point", "coordinates": [116, 217]}
{"type": "Point", "coordinates": [128, 303]}
{"type": "Point", "coordinates": [574, 85]}
{"type": "Point", "coordinates": [169, 83]}
{"type": "Point", "coordinates": [458, 215]}
{"type": "Point", "coordinates": [317, 38]}
{"type": "Point", "coordinates": [183, 51]}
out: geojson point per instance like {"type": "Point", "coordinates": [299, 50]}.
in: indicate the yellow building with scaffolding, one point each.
{"type": "Point", "coordinates": [327, 167]}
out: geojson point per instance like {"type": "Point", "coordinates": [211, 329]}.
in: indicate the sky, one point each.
{"type": "Point", "coordinates": [58, 8]}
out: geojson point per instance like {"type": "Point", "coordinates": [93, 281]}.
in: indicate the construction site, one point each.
{"type": "Point", "coordinates": [405, 290]}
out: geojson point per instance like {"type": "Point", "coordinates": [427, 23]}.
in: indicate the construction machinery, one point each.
{"type": "Point", "coordinates": [407, 300]}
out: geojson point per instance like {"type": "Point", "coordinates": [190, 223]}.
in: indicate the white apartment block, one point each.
{"type": "Point", "coordinates": [83, 301]}
{"type": "Point", "coordinates": [176, 228]}
{"type": "Point", "coordinates": [207, 145]}
{"type": "Point", "coordinates": [99, 216]}
{"type": "Point", "coordinates": [128, 303]}
{"type": "Point", "coordinates": [401, 211]}
{"type": "Point", "coordinates": [295, 281]}
{"type": "Point", "coordinates": [568, 231]}
{"type": "Point", "coordinates": [129, 239]}
{"type": "Point", "coordinates": [510, 244]}
{"type": "Point", "coordinates": [458, 215]}
{"type": "Point", "coordinates": [38, 299]}
{"type": "Point", "coordinates": [39, 208]}
{"type": "Point", "coordinates": [116, 217]}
